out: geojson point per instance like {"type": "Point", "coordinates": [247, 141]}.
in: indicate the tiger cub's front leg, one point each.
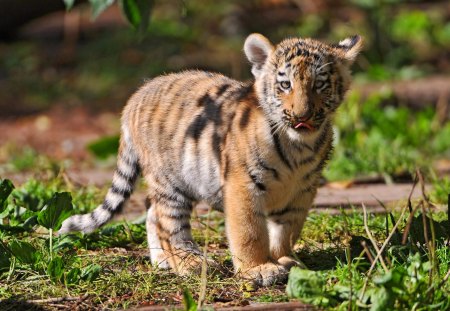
{"type": "Point", "coordinates": [285, 226]}
{"type": "Point", "coordinates": [248, 236]}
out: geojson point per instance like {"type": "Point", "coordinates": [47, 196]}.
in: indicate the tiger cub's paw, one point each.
{"type": "Point", "coordinates": [192, 264]}
{"type": "Point", "coordinates": [288, 262]}
{"type": "Point", "coordinates": [266, 274]}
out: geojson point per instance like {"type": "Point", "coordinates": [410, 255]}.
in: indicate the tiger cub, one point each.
{"type": "Point", "coordinates": [254, 150]}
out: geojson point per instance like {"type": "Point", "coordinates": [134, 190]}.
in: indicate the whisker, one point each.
{"type": "Point", "coordinates": [318, 69]}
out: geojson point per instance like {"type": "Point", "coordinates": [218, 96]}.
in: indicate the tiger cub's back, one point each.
{"type": "Point", "coordinates": [178, 125]}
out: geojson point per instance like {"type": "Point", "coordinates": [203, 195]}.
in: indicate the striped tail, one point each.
{"type": "Point", "coordinates": [125, 176]}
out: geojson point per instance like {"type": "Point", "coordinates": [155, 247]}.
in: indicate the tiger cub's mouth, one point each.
{"type": "Point", "coordinates": [304, 126]}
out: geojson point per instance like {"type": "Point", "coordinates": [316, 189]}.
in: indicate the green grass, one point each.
{"type": "Point", "coordinates": [372, 139]}
{"type": "Point", "coordinates": [110, 268]}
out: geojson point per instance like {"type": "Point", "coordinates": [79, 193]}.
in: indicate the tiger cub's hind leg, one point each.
{"type": "Point", "coordinates": [169, 234]}
{"type": "Point", "coordinates": [157, 256]}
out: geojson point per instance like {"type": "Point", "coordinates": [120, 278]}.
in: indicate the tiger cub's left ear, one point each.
{"type": "Point", "coordinates": [257, 48]}
{"type": "Point", "coordinates": [349, 48]}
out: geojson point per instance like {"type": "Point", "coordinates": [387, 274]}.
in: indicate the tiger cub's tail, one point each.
{"type": "Point", "coordinates": [125, 176]}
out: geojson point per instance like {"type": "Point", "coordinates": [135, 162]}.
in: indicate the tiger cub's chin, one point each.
{"type": "Point", "coordinates": [225, 150]}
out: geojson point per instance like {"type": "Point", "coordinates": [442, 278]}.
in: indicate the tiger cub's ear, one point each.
{"type": "Point", "coordinates": [349, 48]}
{"type": "Point", "coordinates": [257, 48]}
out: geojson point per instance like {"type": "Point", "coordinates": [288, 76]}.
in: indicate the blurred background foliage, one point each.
{"type": "Point", "coordinates": [67, 59]}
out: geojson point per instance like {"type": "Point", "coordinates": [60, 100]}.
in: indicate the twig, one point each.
{"type": "Point", "coordinates": [440, 283]}
{"type": "Point", "coordinates": [58, 299]}
{"type": "Point", "coordinates": [374, 243]}
{"type": "Point", "coordinates": [408, 224]}
{"type": "Point", "coordinates": [381, 249]}
{"type": "Point", "coordinates": [202, 295]}
{"type": "Point", "coordinates": [367, 251]}
{"type": "Point", "coordinates": [411, 211]}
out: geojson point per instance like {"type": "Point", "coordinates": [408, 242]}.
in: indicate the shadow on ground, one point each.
{"type": "Point", "coordinates": [17, 304]}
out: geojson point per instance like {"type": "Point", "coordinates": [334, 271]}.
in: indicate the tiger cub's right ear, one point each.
{"type": "Point", "coordinates": [257, 48]}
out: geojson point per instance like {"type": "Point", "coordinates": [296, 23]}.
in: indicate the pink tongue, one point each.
{"type": "Point", "coordinates": [303, 124]}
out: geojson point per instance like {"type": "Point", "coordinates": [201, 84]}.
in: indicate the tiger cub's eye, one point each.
{"type": "Point", "coordinates": [318, 84]}
{"type": "Point", "coordinates": [285, 84]}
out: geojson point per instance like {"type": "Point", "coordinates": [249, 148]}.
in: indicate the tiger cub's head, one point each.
{"type": "Point", "coordinates": [300, 82]}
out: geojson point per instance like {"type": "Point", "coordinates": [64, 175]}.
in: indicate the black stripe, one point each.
{"type": "Point", "coordinates": [322, 138]}
{"type": "Point", "coordinates": [264, 165]}
{"type": "Point", "coordinates": [245, 117]}
{"type": "Point", "coordinates": [129, 179]}
{"type": "Point", "coordinates": [281, 212]}
{"type": "Point", "coordinates": [257, 182]}
{"type": "Point", "coordinates": [306, 161]}
{"type": "Point", "coordinates": [107, 206]}
{"type": "Point", "coordinates": [123, 192]}
{"type": "Point", "coordinates": [279, 149]}
{"type": "Point", "coordinates": [226, 167]}
{"type": "Point", "coordinates": [94, 220]}
{"type": "Point", "coordinates": [244, 91]}
{"type": "Point", "coordinates": [222, 89]}
{"type": "Point", "coordinates": [320, 165]}
{"type": "Point", "coordinates": [183, 193]}
{"type": "Point", "coordinates": [148, 203]}
{"type": "Point", "coordinates": [216, 145]}
{"type": "Point", "coordinates": [195, 129]}
{"type": "Point", "coordinates": [180, 229]}
{"type": "Point", "coordinates": [172, 200]}
{"type": "Point", "coordinates": [176, 217]}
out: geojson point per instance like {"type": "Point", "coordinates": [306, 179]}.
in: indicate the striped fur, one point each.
{"type": "Point", "coordinates": [253, 150]}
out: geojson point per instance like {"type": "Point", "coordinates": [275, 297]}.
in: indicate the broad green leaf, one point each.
{"type": "Point", "coordinates": [69, 4]}
{"type": "Point", "coordinates": [29, 223]}
{"type": "Point", "coordinates": [6, 187]}
{"type": "Point", "coordinates": [98, 6]}
{"type": "Point", "coordinates": [188, 301]}
{"type": "Point", "coordinates": [90, 273]}
{"type": "Point", "coordinates": [58, 208]}
{"type": "Point", "coordinates": [73, 277]}
{"type": "Point", "coordinates": [24, 252]}
{"type": "Point", "coordinates": [55, 269]}
{"type": "Point", "coordinates": [64, 241]}
{"type": "Point", "coordinates": [304, 284]}
{"type": "Point", "coordinates": [380, 299]}
{"type": "Point", "coordinates": [137, 12]}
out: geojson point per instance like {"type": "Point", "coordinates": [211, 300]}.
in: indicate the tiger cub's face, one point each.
{"type": "Point", "coordinates": [300, 82]}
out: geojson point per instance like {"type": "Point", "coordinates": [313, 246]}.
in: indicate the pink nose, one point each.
{"type": "Point", "coordinates": [305, 115]}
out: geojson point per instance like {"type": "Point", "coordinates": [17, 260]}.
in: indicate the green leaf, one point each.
{"type": "Point", "coordinates": [65, 241]}
{"type": "Point", "coordinates": [91, 272]}
{"type": "Point", "coordinates": [188, 301]}
{"type": "Point", "coordinates": [98, 6]}
{"type": "Point", "coordinates": [4, 258]}
{"type": "Point", "coordinates": [69, 4]}
{"type": "Point", "coordinates": [74, 275]}
{"type": "Point", "coordinates": [137, 12]}
{"type": "Point", "coordinates": [380, 299]}
{"type": "Point", "coordinates": [24, 252]}
{"type": "Point", "coordinates": [58, 208]}
{"type": "Point", "coordinates": [305, 284]}
{"type": "Point", "coordinates": [6, 187]}
{"type": "Point", "coordinates": [105, 146]}
{"type": "Point", "coordinates": [55, 269]}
